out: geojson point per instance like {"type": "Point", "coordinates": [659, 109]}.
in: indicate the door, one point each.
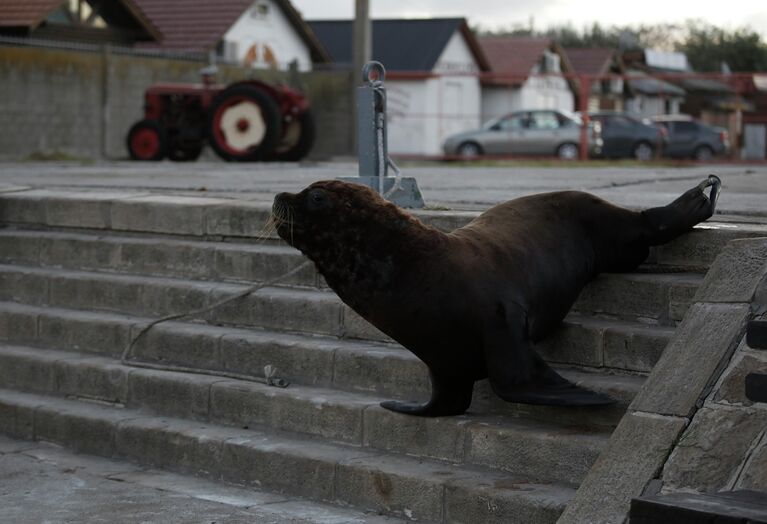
{"type": "Point", "coordinates": [503, 138]}
{"type": "Point", "coordinates": [681, 138]}
{"type": "Point", "coordinates": [755, 141]}
{"type": "Point", "coordinates": [617, 134]}
{"type": "Point", "coordinates": [543, 134]}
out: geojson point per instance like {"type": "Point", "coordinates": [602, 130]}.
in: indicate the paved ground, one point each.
{"type": "Point", "coordinates": [44, 484]}
{"type": "Point", "coordinates": [441, 184]}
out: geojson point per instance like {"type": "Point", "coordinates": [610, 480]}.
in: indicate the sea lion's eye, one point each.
{"type": "Point", "coordinates": [317, 200]}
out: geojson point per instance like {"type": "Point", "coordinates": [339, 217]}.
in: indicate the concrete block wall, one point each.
{"type": "Point", "coordinates": [690, 428]}
{"type": "Point", "coordinates": [83, 103]}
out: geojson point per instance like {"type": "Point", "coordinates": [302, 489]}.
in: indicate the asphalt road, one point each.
{"type": "Point", "coordinates": [448, 185]}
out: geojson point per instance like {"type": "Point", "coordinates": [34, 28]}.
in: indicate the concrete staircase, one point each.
{"type": "Point", "coordinates": [73, 291]}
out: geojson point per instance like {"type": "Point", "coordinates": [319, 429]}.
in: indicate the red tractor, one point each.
{"type": "Point", "coordinates": [245, 121]}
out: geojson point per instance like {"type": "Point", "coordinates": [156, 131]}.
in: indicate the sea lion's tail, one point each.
{"type": "Point", "coordinates": [680, 216]}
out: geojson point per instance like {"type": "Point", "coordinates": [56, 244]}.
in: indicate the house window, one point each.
{"type": "Point", "coordinates": [77, 13]}
{"type": "Point", "coordinates": [550, 62]}
{"type": "Point", "coordinates": [260, 10]}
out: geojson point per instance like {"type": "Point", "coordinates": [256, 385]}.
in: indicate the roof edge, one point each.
{"type": "Point", "coordinates": [317, 50]}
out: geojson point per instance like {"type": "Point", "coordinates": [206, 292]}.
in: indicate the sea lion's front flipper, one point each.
{"type": "Point", "coordinates": [680, 216]}
{"type": "Point", "coordinates": [448, 397]}
{"type": "Point", "coordinates": [518, 374]}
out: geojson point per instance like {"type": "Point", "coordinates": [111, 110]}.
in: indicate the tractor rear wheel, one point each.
{"type": "Point", "coordinates": [147, 140]}
{"type": "Point", "coordinates": [297, 139]}
{"type": "Point", "coordinates": [244, 124]}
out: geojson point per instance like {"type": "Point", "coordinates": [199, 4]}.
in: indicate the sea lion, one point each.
{"type": "Point", "coordinates": [472, 303]}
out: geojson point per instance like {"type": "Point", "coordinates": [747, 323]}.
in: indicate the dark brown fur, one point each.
{"type": "Point", "coordinates": [471, 303]}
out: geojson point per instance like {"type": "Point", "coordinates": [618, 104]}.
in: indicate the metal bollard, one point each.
{"type": "Point", "coordinates": [372, 143]}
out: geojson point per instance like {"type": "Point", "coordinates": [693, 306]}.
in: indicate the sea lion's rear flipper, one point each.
{"type": "Point", "coordinates": [692, 207]}
{"type": "Point", "coordinates": [549, 388]}
{"type": "Point", "coordinates": [448, 397]}
{"type": "Point", "coordinates": [518, 374]}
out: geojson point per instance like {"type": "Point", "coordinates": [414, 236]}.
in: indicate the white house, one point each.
{"type": "Point", "coordinates": [526, 74]}
{"type": "Point", "coordinates": [260, 33]}
{"type": "Point", "coordinates": [432, 81]}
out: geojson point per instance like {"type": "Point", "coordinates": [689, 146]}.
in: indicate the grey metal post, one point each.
{"type": "Point", "coordinates": [363, 47]}
{"type": "Point", "coordinates": [362, 50]}
{"type": "Point", "coordinates": [372, 143]}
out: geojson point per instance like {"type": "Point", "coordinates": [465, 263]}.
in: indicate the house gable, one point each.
{"type": "Point", "coordinates": [457, 57]}
{"type": "Point", "coordinates": [119, 21]}
{"type": "Point", "coordinates": [195, 25]}
{"type": "Point", "coordinates": [263, 36]}
{"type": "Point", "coordinates": [413, 45]}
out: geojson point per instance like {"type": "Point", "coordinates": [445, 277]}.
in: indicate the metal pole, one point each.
{"type": "Point", "coordinates": [362, 50]}
{"type": "Point", "coordinates": [585, 84]}
{"type": "Point", "coordinates": [363, 46]}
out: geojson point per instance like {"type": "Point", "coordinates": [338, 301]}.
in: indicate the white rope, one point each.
{"type": "Point", "coordinates": [270, 371]}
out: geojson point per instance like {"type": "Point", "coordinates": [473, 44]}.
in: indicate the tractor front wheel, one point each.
{"type": "Point", "coordinates": [147, 140]}
{"type": "Point", "coordinates": [244, 124]}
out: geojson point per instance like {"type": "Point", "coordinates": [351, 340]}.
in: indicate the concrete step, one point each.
{"type": "Point", "coordinates": [661, 298]}
{"type": "Point", "coordinates": [391, 484]}
{"type": "Point", "coordinates": [375, 368]}
{"type": "Point", "coordinates": [542, 452]}
{"type": "Point", "coordinates": [154, 256]}
{"type": "Point", "coordinates": [651, 298]}
{"type": "Point", "coordinates": [585, 341]}
{"type": "Point", "coordinates": [221, 218]}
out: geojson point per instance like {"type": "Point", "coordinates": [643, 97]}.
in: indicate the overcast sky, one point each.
{"type": "Point", "coordinates": [505, 13]}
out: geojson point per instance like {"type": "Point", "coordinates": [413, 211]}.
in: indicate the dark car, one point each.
{"type": "Point", "coordinates": [687, 138]}
{"type": "Point", "coordinates": [624, 136]}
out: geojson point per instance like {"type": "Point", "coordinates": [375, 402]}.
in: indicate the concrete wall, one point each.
{"type": "Point", "coordinates": [83, 103]}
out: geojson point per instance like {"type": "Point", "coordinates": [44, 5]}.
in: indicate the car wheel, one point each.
{"type": "Point", "coordinates": [469, 150]}
{"type": "Point", "coordinates": [244, 125]}
{"type": "Point", "coordinates": [643, 152]}
{"type": "Point", "coordinates": [147, 141]}
{"type": "Point", "coordinates": [568, 151]}
{"type": "Point", "coordinates": [703, 153]}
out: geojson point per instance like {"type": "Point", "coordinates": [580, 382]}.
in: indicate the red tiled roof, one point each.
{"type": "Point", "coordinates": [192, 24]}
{"type": "Point", "coordinates": [514, 55]}
{"type": "Point", "coordinates": [198, 25]}
{"type": "Point", "coordinates": [590, 60]}
{"type": "Point", "coordinates": [25, 13]}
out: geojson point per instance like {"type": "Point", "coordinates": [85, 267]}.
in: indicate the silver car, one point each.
{"type": "Point", "coordinates": [525, 133]}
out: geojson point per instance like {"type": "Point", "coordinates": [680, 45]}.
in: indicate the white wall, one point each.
{"type": "Point", "coordinates": [422, 113]}
{"type": "Point", "coordinates": [536, 93]}
{"type": "Point", "coordinates": [255, 30]}
{"type": "Point", "coordinates": [647, 106]}
{"type": "Point", "coordinates": [500, 100]}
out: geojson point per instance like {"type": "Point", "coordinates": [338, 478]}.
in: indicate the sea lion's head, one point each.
{"type": "Point", "coordinates": [331, 212]}
{"type": "Point", "coordinates": [348, 230]}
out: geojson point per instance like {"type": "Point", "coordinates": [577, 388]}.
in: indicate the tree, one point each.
{"type": "Point", "coordinates": [708, 47]}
